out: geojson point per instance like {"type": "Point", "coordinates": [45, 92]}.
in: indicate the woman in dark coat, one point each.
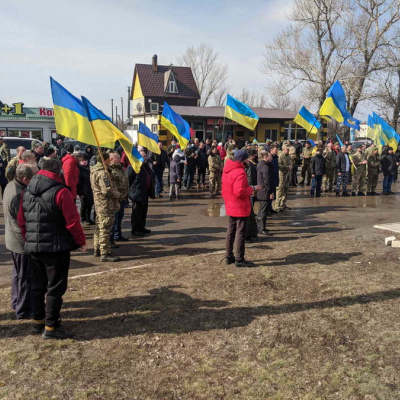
{"type": "Point", "coordinates": [85, 192]}
{"type": "Point", "coordinates": [3, 179]}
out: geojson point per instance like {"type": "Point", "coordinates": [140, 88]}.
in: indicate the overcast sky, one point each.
{"type": "Point", "coordinates": [91, 46]}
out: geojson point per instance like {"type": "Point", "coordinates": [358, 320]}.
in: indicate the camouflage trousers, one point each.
{"type": "Point", "coordinates": [282, 190]}
{"type": "Point", "coordinates": [328, 179]}
{"type": "Point", "coordinates": [215, 182]}
{"type": "Point", "coordinates": [358, 180]}
{"type": "Point", "coordinates": [306, 170]}
{"type": "Point", "coordinates": [102, 232]}
{"type": "Point", "coordinates": [372, 182]}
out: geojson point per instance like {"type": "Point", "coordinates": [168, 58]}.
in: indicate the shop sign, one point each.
{"type": "Point", "coordinates": [16, 109]}
{"type": "Point", "coordinates": [46, 112]}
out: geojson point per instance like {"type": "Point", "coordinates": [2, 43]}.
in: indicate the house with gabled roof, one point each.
{"type": "Point", "coordinates": [152, 85]}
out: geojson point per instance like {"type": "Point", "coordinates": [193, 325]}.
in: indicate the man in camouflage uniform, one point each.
{"type": "Point", "coordinates": [13, 164]}
{"type": "Point", "coordinates": [306, 170]}
{"type": "Point", "coordinates": [373, 171]}
{"type": "Point", "coordinates": [285, 169]}
{"type": "Point", "coordinates": [360, 164]}
{"type": "Point", "coordinates": [122, 185]}
{"type": "Point", "coordinates": [106, 202]}
{"type": "Point", "coordinates": [330, 163]}
{"type": "Point", "coordinates": [4, 152]}
{"type": "Point", "coordinates": [215, 167]}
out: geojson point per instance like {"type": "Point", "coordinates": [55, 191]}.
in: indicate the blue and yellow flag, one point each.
{"type": "Point", "coordinates": [384, 133]}
{"type": "Point", "coordinates": [176, 125]}
{"type": "Point", "coordinates": [148, 139]}
{"type": "Point", "coordinates": [71, 117]}
{"type": "Point", "coordinates": [102, 126]}
{"type": "Point", "coordinates": [370, 127]}
{"type": "Point", "coordinates": [240, 113]}
{"type": "Point", "coordinates": [334, 107]}
{"type": "Point", "coordinates": [310, 123]}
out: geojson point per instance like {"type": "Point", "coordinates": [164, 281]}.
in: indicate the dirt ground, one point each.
{"type": "Point", "coordinates": [317, 318]}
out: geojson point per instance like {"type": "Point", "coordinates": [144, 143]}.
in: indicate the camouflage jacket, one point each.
{"type": "Point", "coordinates": [284, 163]}
{"type": "Point", "coordinates": [5, 153]}
{"type": "Point", "coordinates": [121, 180]}
{"type": "Point", "coordinates": [214, 164]}
{"type": "Point", "coordinates": [358, 159]}
{"type": "Point", "coordinates": [373, 164]}
{"type": "Point", "coordinates": [307, 152]}
{"type": "Point", "coordinates": [105, 193]}
{"type": "Point", "coordinates": [12, 168]}
{"type": "Point", "coordinates": [330, 159]}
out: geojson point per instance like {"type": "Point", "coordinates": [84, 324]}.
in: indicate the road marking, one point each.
{"type": "Point", "coordinates": [110, 270]}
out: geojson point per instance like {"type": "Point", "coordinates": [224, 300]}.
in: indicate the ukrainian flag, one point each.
{"type": "Point", "coordinates": [148, 139]}
{"type": "Point", "coordinates": [334, 107]}
{"type": "Point", "coordinates": [103, 127]}
{"type": "Point", "coordinates": [385, 133]}
{"type": "Point", "coordinates": [71, 117]}
{"type": "Point", "coordinates": [311, 124]}
{"type": "Point", "coordinates": [240, 113]}
{"type": "Point", "coordinates": [176, 125]}
{"type": "Point", "coordinates": [370, 128]}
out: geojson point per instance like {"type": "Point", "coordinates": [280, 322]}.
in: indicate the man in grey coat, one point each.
{"type": "Point", "coordinates": [22, 271]}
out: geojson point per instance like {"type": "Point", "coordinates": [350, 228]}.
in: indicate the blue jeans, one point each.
{"type": "Point", "coordinates": [159, 181]}
{"type": "Point", "coordinates": [116, 232]}
{"type": "Point", "coordinates": [316, 185]}
{"type": "Point", "coordinates": [387, 183]}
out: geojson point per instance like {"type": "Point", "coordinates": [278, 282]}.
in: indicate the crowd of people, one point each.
{"type": "Point", "coordinates": [44, 187]}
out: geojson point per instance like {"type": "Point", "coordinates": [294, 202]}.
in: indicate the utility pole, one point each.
{"type": "Point", "coordinates": [122, 110]}
{"type": "Point", "coordinates": [112, 110]}
{"type": "Point", "coordinates": [129, 102]}
{"type": "Point", "coordinates": [116, 115]}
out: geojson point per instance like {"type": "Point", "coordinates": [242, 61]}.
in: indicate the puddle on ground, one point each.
{"type": "Point", "coordinates": [216, 210]}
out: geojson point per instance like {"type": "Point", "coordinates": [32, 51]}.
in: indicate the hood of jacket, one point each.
{"type": "Point", "coordinates": [69, 157]}
{"type": "Point", "coordinates": [42, 182]}
{"type": "Point", "coordinates": [231, 165]}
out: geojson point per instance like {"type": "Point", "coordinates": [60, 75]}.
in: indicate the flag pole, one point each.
{"type": "Point", "coordinates": [99, 149]}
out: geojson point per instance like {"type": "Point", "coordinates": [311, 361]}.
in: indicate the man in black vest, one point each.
{"type": "Point", "coordinates": [51, 227]}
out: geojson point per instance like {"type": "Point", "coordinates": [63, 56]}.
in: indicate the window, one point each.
{"type": "Point", "coordinates": [172, 86]}
{"type": "Point", "coordinates": [154, 128]}
{"type": "Point", "coordinates": [153, 107]}
{"type": "Point", "coordinates": [271, 134]}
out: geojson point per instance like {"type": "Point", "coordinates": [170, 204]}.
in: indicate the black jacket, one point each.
{"type": "Point", "coordinates": [251, 171]}
{"type": "Point", "coordinates": [388, 164]}
{"type": "Point", "coordinates": [161, 159]}
{"type": "Point", "coordinates": [201, 158]}
{"type": "Point", "coordinates": [141, 185]}
{"type": "Point", "coordinates": [265, 179]}
{"type": "Point", "coordinates": [45, 224]}
{"type": "Point", "coordinates": [341, 162]}
{"type": "Point", "coordinates": [318, 166]}
{"type": "Point", "coordinates": [84, 187]}
{"type": "Point", "coordinates": [275, 169]}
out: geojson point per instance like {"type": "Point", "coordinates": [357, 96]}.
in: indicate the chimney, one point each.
{"type": "Point", "coordinates": [154, 62]}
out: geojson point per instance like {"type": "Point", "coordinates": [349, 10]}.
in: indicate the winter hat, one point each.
{"type": "Point", "coordinates": [48, 152]}
{"type": "Point", "coordinates": [240, 155]}
{"type": "Point", "coordinates": [70, 148]}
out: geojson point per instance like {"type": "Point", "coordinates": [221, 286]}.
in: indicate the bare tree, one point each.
{"type": "Point", "coordinates": [387, 96]}
{"type": "Point", "coordinates": [280, 99]}
{"type": "Point", "coordinates": [252, 99]}
{"type": "Point", "coordinates": [330, 40]}
{"type": "Point", "coordinates": [219, 96]}
{"type": "Point", "coordinates": [210, 75]}
{"type": "Point", "coordinates": [306, 53]}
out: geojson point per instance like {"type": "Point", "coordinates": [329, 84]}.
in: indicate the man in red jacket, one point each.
{"type": "Point", "coordinates": [236, 193]}
{"type": "Point", "coordinates": [51, 228]}
{"type": "Point", "coordinates": [71, 170]}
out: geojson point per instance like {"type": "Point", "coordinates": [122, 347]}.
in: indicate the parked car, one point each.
{"type": "Point", "coordinates": [81, 145]}
{"type": "Point", "coordinates": [14, 142]}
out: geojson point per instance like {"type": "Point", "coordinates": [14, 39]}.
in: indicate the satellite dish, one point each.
{"type": "Point", "coordinates": [139, 107]}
